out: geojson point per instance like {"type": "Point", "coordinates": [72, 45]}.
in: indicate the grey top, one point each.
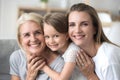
{"type": "Point", "coordinates": [18, 66]}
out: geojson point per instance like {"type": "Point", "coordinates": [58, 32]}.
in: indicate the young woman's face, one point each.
{"type": "Point", "coordinates": [32, 38]}
{"type": "Point", "coordinates": [81, 30]}
{"type": "Point", "coordinates": [54, 40]}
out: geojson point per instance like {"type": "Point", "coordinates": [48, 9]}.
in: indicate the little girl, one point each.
{"type": "Point", "coordinates": [56, 37]}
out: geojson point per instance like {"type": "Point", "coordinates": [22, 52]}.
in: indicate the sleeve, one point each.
{"type": "Point", "coordinates": [71, 53]}
{"type": "Point", "coordinates": [112, 72]}
{"type": "Point", "coordinates": [14, 63]}
{"type": "Point", "coordinates": [59, 64]}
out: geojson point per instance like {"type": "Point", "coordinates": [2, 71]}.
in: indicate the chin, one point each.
{"type": "Point", "coordinates": [78, 43]}
{"type": "Point", "coordinates": [36, 53]}
{"type": "Point", "coordinates": [54, 50]}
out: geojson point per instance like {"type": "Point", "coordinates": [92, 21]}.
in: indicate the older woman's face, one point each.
{"type": "Point", "coordinates": [81, 29]}
{"type": "Point", "coordinates": [31, 38]}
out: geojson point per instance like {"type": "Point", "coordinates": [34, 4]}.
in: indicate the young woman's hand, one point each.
{"type": "Point", "coordinates": [86, 65]}
{"type": "Point", "coordinates": [34, 65]}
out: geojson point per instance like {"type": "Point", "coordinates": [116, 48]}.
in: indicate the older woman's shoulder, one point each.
{"type": "Point", "coordinates": [17, 55]}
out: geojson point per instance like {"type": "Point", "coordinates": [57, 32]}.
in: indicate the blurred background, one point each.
{"type": "Point", "coordinates": [10, 10]}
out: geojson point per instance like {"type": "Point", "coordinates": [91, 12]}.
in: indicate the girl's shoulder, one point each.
{"type": "Point", "coordinates": [73, 46]}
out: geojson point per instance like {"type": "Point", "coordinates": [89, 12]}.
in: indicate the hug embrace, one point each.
{"type": "Point", "coordinates": [64, 47]}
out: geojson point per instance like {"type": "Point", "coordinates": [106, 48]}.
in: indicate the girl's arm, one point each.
{"type": "Point", "coordinates": [63, 75]}
{"type": "Point", "coordinates": [13, 77]}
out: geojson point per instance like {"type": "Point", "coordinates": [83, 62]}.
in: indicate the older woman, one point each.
{"type": "Point", "coordinates": [85, 30]}
{"type": "Point", "coordinates": [27, 63]}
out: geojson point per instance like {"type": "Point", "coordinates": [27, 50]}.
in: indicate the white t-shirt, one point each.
{"type": "Point", "coordinates": [70, 56]}
{"type": "Point", "coordinates": [107, 62]}
{"type": "Point", "coordinates": [71, 53]}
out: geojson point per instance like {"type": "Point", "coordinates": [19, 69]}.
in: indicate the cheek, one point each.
{"type": "Point", "coordinates": [43, 40]}
{"type": "Point", "coordinates": [62, 41]}
{"type": "Point", "coordinates": [70, 30]}
{"type": "Point", "coordinates": [24, 42]}
{"type": "Point", "coordinates": [46, 41]}
{"type": "Point", "coordinates": [91, 32]}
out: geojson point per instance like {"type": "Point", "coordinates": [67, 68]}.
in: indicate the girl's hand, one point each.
{"type": "Point", "coordinates": [34, 64]}
{"type": "Point", "coordinates": [85, 64]}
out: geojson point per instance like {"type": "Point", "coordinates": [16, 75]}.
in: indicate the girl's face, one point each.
{"type": "Point", "coordinates": [32, 38]}
{"type": "Point", "coordinates": [54, 40]}
{"type": "Point", "coordinates": [81, 29]}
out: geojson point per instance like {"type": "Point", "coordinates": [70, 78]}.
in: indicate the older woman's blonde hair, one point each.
{"type": "Point", "coordinates": [27, 17]}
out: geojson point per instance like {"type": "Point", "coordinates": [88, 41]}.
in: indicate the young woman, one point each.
{"type": "Point", "coordinates": [57, 39]}
{"type": "Point", "coordinates": [85, 30]}
{"type": "Point", "coordinates": [28, 62]}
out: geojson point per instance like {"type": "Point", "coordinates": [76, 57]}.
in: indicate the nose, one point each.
{"type": "Point", "coordinates": [33, 38]}
{"type": "Point", "coordinates": [51, 41]}
{"type": "Point", "coordinates": [78, 29]}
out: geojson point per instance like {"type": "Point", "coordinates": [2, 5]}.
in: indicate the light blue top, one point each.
{"type": "Point", "coordinates": [18, 66]}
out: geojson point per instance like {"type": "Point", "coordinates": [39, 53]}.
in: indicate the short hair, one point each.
{"type": "Point", "coordinates": [37, 18]}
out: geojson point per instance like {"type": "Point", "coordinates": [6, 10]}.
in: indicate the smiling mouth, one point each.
{"type": "Point", "coordinates": [79, 36]}
{"type": "Point", "coordinates": [53, 46]}
{"type": "Point", "coordinates": [35, 45]}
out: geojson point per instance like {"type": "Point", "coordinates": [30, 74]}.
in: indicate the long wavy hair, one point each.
{"type": "Point", "coordinates": [99, 37]}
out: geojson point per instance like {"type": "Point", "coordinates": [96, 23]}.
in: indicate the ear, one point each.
{"type": "Point", "coordinates": [67, 36]}
{"type": "Point", "coordinates": [95, 31]}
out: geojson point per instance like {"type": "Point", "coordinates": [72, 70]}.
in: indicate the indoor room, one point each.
{"type": "Point", "coordinates": [10, 10]}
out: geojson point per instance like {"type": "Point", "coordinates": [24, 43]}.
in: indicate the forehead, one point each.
{"type": "Point", "coordinates": [75, 15]}
{"type": "Point", "coordinates": [29, 26]}
{"type": "Point", "coordinates": [49, 28]}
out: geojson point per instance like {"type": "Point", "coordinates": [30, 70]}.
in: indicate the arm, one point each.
{"type": "Point", "coordinates": [63, 75]}
{"type": "Point", "coordinates": [86, 66]}
{"type": "Point", "coordinates": [13, 77]}
{"type": "Point", "coordinates": [112, 71]}
{"type": "Point", "coordinates": [69, 58]}
{"type": "Point", "coordinates": [14, 66]}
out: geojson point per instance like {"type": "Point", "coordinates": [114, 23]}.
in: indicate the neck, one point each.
{"type": "Point", "coordinates": [49, 55]}
{"type": "Point", "coordinates": [91, 49]}
{"type": "Point", "coordinates": [64, 48]}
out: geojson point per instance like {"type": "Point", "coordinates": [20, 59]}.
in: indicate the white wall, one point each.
{"type": "Point", "coordinates": [0, 15]}
{"type": "Point", "coordinates": [8, 18]}
{"type": "Point", "coordinates": [9, 14]}
{"type": "Point", "coordinates": [111, 5]}
{"type": "Point", "coordinates": [9, 11]}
